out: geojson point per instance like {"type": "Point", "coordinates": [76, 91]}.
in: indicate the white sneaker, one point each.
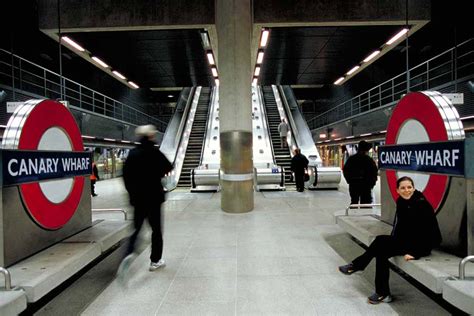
{"type": "Point", "coordinates": [156, 265]}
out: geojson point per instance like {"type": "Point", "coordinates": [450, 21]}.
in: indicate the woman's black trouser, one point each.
{"type": "Point", "coordinates": [153, 213]}
{"type": "Point", "coordinates": [382, 248]}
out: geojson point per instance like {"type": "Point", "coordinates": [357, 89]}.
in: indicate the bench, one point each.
{"type": "Point", "coordinates": [438, 272]}
{"type": "Point", "coordinates": [36, 276]}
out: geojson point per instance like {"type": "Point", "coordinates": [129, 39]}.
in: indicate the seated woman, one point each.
{"type": "Point", "coordinates": [415, 233]}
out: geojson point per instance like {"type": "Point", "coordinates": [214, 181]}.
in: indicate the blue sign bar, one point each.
{"type": "Point", "coordinates": [20, 166]}
{"type": "Point", "coordinates": [438, 157]}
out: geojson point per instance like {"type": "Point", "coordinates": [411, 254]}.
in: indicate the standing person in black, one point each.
{"type": "Point", "coordinates": [142, 173]}
{"type": "Point", "coordinates": [299, 163]}
{"type": "Point", "coordinates": [415, 233]}
{"type": "Point", "coordinates": [360, 173]}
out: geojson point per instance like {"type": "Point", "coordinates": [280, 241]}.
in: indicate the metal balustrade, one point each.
{"type": "Point", "coordinates": [23, 75]}
{"type": "Point", "coordinates": [449, 66]}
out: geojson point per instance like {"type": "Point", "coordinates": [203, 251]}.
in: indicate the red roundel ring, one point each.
{"type": "Point", "coordinates": [420, 107]}
{"type": "Point", "coordinates": [45, 115]}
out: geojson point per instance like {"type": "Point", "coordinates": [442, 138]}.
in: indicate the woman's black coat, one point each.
{"type": "Point", "coordinates": [415, 226]}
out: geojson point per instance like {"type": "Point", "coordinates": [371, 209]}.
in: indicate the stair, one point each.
{"type": "Point", "coordinates": [192, 157]}
{"type": "Point", "coordinates": [282, 155]}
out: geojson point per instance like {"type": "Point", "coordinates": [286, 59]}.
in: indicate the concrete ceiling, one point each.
{"type": "Point", "coordinates": [311, 43]}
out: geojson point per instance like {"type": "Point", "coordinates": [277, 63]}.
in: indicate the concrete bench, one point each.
{"type": "Point", "coordinates": [431, 271]}
{"type": "Point", "coordinates": [41, 273]}
{"type": "Point", "coordinates": [12, 302]}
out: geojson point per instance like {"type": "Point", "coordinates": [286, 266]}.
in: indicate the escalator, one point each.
{"type": "Point", "coordinates": [282, 155]}
{"type": "Point", "coordinates": [192, 156]}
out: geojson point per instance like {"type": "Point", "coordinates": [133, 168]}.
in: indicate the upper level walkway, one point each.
{"type": "Point", "coordinates": [281, 258]}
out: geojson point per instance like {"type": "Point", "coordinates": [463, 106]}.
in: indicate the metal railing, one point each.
{"type": "Point", "coordinates": [462, 266]}
{"type": "Point", "coordinates": [449, 66]}
{"type": "Point", "coordinates": [8, 278]}
{"type": "Point", "coordinates": [23, 75]}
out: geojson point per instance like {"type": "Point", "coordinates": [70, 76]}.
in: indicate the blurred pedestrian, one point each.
{"type": "Point", "coordinates": [94, 178]}
{"type": "Point", "coordinates": [142, 173]}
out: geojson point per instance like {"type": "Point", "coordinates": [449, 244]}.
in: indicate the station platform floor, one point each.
{"type": "Point", "coordinates": [279, 259]}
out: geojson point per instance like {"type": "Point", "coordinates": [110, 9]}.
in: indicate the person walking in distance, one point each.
{"type": "Point", "coordinates": [299, 163]}
{"type": "Point", "coordinates": [94, 177]}
{"type": "Point", "coordinates": [283, 130]}
{"type": "Point", "coordinates": [142, 173]}
{"type": "Point", "coordinates": [360, 173]}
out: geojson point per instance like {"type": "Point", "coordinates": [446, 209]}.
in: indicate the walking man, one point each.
{"type": "Point", "coordinates": [142, 173]}
{"type": "Point", "coordinates": [360, 173]}
{"type": "Point", "coordinates": [299, 163]}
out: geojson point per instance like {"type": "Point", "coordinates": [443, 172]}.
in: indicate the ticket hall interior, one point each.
{"type": "Point", "coordinates": [245, 231]}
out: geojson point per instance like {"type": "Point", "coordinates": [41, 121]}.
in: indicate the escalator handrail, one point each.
{"type": "Point", "coordinates": [289, 116]}
{"type": "Point", "coordinates": [267, 125]}
{"type": "Point", "coordinates": [208, 122]}
{"type": "Point", "coordinates": [184, 119]}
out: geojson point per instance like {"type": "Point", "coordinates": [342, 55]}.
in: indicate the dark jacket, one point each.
{"type": "Point", "coordinates": [299, 162]}
{"type": "Point", "coordinates": [415, 225]}
{"type": "Point", "coordinates": [142, 173]}
{"type": "Point", "coordinates": [360, 169]}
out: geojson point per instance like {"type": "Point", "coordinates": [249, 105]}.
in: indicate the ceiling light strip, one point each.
{"type": "Point", "coordinates": [372, 55]}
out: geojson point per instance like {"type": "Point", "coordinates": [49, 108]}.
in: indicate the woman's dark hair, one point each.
{"type": "Point", "coordinates": [405, 178]}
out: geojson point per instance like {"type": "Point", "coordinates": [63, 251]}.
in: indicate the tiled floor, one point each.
{"type": "Point", "coordinates": [279, 259]}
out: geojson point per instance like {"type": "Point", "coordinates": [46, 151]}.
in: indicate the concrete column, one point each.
{"type": "Point", "coordinates": [234, 29]}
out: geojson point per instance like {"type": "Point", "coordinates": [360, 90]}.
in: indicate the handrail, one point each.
{"type": "Point", "coordinates": [265, 124]}
{"type": "Point", "coordinates": [358, 206]}
{"type": "Point", "coordinates": [106, 210]}
{"type": "Point", "coordinates": [390, 90]}
{"type": "Point", "coordinates": [183, 121]}
{"type": "Point", "coordinates": [8, 278]}
{"type": "Point", "coordinates": [289, 116]}
{"type": "Point", "coordinates": [462, 266]}
{"type": "Point", "coordinates": [212, 93]}
{"type": "Point", "coordinates": [82, 95]}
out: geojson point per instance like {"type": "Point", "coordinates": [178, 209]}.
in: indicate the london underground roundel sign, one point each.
{"type": "Point", "coordinates": [422, 117]}
{"type": "Point", "coordinates": [46, 125]}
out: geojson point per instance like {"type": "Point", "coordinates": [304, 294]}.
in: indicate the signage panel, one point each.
{"type": "Point", "coordinates": [32, 166]}
{"type": "Point", "coordinates": [437, 157]}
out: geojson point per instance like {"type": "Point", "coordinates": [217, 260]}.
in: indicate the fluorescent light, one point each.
{"type": "Point", "coordinates": [260, 57]}
{"type": "Point", "coordinates": [350, 137]}
{"type": "Point", "coordinates": [257, 71]}
{"type": "Point", "coordinates": [89, 137]}
{"type": "Point", "coordinates": [371, 56]}
{"type": "Point", "coordinates": [399, 34]}
{"type": "Point", "coordinates": [322, 136]}
{"type": "Point", "coordinates": [254, 81]}
{"type": "Point", "coordinates": [350, 72]}
{"type": "Point", "coordinates": [214, 71]}
{"type": "Point", "coordinates": [109, 139]}
{"type": "Point", "coordinates": [210, 58]}
{"type": "Point", "coordinates": [100, 62]}
{"type": "Point", "coordinates": [170, 95]}
{"type": "Point", "coordinates": [338, 81]}
{"type": "Point", "coordinates": [118, 74]}
{"type": "Point", "coordinates": [264, 38]}
{"type": "Point", "coordinates": [133, 84]}
{"type": "Point", "coordinates": [217, 82]}
{"type": "Point", "coordinates": [73, 44]}
{"type": "Point", "coordinates": [205, 40]}
{"type": "Point", "coordinates": [366, 134]}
